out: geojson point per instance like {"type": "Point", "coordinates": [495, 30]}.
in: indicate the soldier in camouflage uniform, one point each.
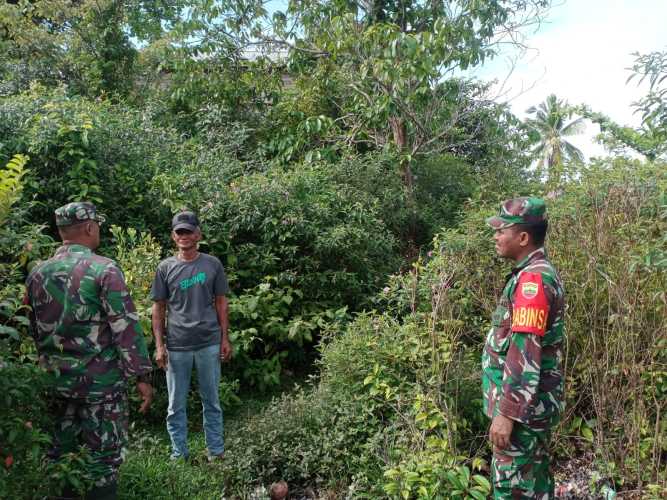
{"type": "Point", "coordinates": [87, 335]}
{"type": "Point", "coordinates": [522, 375]}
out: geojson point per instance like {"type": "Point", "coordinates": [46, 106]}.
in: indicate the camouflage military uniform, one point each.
{"type": "Point", "coordinates": [87, 334]}
{"type": "Point", "coordinates": [522, 372]}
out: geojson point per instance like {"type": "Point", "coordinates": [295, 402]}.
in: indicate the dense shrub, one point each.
{"type": "Point", "coordinates": [24, 387]}
{"type": "Point", "coordinates": [273, 326]}
{"type": "Point", "coordinates": [21, 244]}
{"type": "Point", "coordinates": [298, 247]}
{"type": "Point", "coordinates": [413, 371]}
{"type": "Point", "coordinates": [442, 184]}
{"type": "Point", "coordinates": [138, 255]}
{"type": "Point", "coordinates": [609, 242]}
{"type": "Point", "coordinates": [305, 438]}
{"type": "Point", "coordinates": [383, 420]}
{"type": "Point", "coordinates": [84, 149]}
{"type": "Point", "coordinates": [299, 226]}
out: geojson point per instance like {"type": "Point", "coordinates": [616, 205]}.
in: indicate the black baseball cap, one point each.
{"type": "Point", "coordinates": [185, 220]}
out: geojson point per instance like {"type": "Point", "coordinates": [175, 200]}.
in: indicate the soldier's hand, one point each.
{"type": "Point", "coordinates": [500, 431]}
{"type": "Point", "coordinates": [161, 357]}
{"type": "Point", "coordinates": [146, 392]}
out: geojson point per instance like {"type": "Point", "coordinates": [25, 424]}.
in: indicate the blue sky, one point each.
{"type": "Point", "coordinates": [581, 53]}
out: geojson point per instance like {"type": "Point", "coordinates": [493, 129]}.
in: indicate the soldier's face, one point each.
{"type": "Point", "coordinates": [509, 242]}
{"type": "Point", "coordinates": [186, 240]}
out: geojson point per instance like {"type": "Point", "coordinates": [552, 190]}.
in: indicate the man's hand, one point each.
{"type": "Point", "coordinates": [225, 349]}
{"type": "Point", "coordinates": [500, 431]}
{"type": "Point", "coordinates": [161, 357]}
{"type": "Point", "coordinates": [146, 392]}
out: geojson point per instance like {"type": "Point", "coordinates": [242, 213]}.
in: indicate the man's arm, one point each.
{"type": "Point", "coordinates": [126, 332]}
{"type": "Point", "coordinates": [523, 363]}
{"type": "Point", "coordinates": [158, 323]}
{"type": "Point", "coordinates": [521, 379]}
{"type": "Point", "coordinates": [222, 310]}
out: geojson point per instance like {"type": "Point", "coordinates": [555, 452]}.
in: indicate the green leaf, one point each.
{"type": "Point", "coordinates": [587, 433]}
{"type": "Point", "coordinates": [465, 474]}
{"type": "Point", "coordinates": [477, 495]}
{"type": "Point", "coordinates": [22, 320]}
{"type": "Point", "coordinates": [454, 480]}
{"type": "Point", "coordinates": [12, 332]}
{"type": "Point", "coordinates": [482, 481]}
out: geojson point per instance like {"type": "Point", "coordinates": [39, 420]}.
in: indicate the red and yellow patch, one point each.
{"type": "Point", "coordinates": [530, 305]}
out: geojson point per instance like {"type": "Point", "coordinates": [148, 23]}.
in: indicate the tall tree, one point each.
{"type": "Point", "coordinates": [87, 46]}
{"type": "Point", "coordinates": [391, 60]}
{"type": "Point", "coordinates": [392, 66]}
{"type": "Point", "coordinates": [552, 125]}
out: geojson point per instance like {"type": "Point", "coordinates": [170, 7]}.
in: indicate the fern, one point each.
{"type": "Point", "coordinates": [11, 185]}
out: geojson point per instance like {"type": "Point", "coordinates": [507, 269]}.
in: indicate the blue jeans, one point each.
{"type": "Point", "coordinates": [179, 371]}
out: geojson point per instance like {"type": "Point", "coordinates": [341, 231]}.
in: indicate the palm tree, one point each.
{"type": "Point", "coordinates": [550, 122]}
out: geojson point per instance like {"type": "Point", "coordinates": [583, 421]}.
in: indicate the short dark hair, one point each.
{"type": "Point", "coordinates": [537, 231]}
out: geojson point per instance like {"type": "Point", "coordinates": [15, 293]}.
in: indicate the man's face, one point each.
{"type": "Point", "coordinates": [510, 242]}
{"type": "Point", "coordinates": [186, 239]}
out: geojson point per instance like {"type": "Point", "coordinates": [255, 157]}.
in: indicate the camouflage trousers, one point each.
{"type": "Point", "coordinates": [521, 471]}
{"type": "Point", "coordinates": [99, 426]}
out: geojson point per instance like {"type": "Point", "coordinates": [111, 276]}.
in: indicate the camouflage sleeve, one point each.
{"type": "Point", "coordinates": [523, 363]}
{"type": "Point", "coordinates": [123, 320]}
{"type": "Point", "coordinates": [521, 377]}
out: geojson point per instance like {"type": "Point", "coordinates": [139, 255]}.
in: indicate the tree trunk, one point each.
{"type": "Point", "coordinates": [400, 139]}
{"type": "Point", "coordinates": [399, 132]}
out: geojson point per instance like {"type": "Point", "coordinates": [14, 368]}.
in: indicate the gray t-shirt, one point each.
{"type": "Point", "coordinates": [190, 289]}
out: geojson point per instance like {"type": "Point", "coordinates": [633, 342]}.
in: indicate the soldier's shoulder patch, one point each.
{"type": "Point", "coordinates": [530, 305]}
{"type": "Point", "coordinates": [529, 289]}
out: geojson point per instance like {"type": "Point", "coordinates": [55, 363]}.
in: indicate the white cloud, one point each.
{"type": "Point", "coordinates": [582, 55]}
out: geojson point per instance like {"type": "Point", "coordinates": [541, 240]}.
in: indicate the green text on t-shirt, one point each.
{"type": "Point", "coordinates": [197, 278]}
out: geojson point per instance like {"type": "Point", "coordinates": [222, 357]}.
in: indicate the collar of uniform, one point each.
{"type": "Point", "coordinates": [527, 259]}
{"type": "Point", "coordinates": [74, 248]}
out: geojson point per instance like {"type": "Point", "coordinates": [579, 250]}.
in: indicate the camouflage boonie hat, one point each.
{"type": "Point", "coordinates": [523, 210]}
{"type": "Point", "coordinates": [77, 211]}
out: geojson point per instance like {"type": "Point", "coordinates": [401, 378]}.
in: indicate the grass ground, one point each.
{"type": "Point", "coordinates": [148, 471]}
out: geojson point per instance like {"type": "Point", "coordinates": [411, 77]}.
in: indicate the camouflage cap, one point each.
{"type": "Point", "coordinates": [77, 211]}
{"type": "Point", "coordinates": [523, 210]}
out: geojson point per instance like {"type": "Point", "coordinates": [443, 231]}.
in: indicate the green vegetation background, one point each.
{"type": "Point", "coordinates": [342, 174]}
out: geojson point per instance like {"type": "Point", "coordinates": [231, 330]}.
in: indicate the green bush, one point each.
{"type": "Point", "coordinates": [299, 226]}
{"type": "Point", "coordinates": [138, 255]}
{"type": "Point", "coordinates": [271, 328]}
{"type": "Point", "coordinates": [25, 430]}
{"type": "Point", "coordinates": [442, 185]}
{"type": "Point", "coordinates": [413, 371]}
{"type": "Point", "coordinates": [609, 242]}
{"type": "Point", "coordinates": [383, 419]}
{"type": "Point", "coordinates": [298, 247]}
{"type": "Point", "coordinates": [94, 150]}
{"type": "Point", "coordinates": [21, 244]}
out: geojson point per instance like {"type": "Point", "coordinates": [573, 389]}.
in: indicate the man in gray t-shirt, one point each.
{"type": "Point", "coordinates": [189, 291]}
